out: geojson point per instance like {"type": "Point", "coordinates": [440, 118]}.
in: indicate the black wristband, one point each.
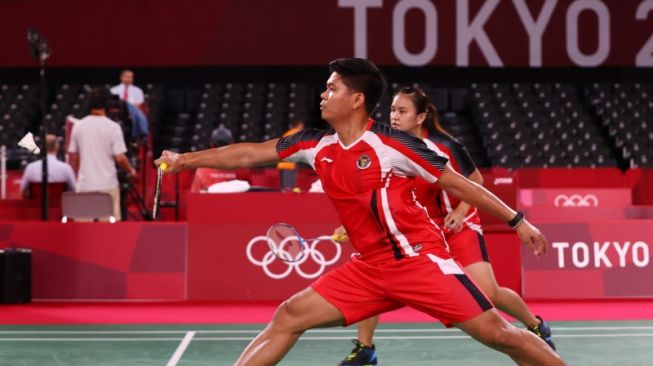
{"type": "Point", "coordinates": [516, 220]}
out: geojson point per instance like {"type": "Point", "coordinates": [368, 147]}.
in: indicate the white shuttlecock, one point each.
{"type": "Point", "coordinates": [28, 143]}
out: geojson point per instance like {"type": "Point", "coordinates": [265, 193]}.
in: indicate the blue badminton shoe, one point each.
{"type": "Point", "coordinates": [543, 330]}
{"type": "Point", "coordinates": [361, 355]}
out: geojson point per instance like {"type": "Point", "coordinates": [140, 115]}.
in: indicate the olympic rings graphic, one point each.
{"type": "Point", "coordinates": [311, 252]}
{"type": "Point", "coordinates": [575, 200]}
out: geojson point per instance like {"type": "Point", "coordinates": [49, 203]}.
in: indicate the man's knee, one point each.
{"type": "Point", "coordinates": [291, 308]}
{"type": "Point", "coordinates": [288, 317]}
{"type": "Point", "coordinates": [504, 337]}
{"type": "Point", "coordinates": [285, 312]}
{"type": "Point", "coordinates": [492, 292]}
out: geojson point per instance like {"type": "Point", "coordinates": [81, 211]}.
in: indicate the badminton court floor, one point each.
{"type": "Point", "coordinates": [580, 343]}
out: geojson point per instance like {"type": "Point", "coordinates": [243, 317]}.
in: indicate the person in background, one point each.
{"type": "Point", "coordinates": [206, 177]}
{"type": "Point", "coordinates": [287, 170]}
{"type": "Point", "coordinates": [127, 91]}
{"type": "Point", "coordinates": [135, 103]}
{"type": "Point", "coordinates": [58, 171]}
{"type": "Point", "coordinates": [96, 146]}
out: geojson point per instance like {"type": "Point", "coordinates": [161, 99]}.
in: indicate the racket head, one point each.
{"type": "Point", "coordinates": [157, 193]}
{"type": "Point", "coordinates": [285, 243]}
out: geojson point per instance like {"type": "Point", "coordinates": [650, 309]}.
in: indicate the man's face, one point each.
{"type": "Point", "coordinates": [337, 100]}
{"type": "Point", "coordinates": [127, 78]}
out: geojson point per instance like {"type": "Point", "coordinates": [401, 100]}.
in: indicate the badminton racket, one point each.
{"type": "Point", "coordinates": [157, 191]}
{"type": "Point", "coordinates": [286, 243]}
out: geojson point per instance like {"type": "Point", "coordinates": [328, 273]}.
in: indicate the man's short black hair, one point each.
{"type": "Point", "coordinates": [98, 98]}
{"type": "Point", "coordinates": [361, 75]}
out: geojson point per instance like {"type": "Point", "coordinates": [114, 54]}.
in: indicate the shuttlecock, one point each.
{"type": "Point", "coordinates": [28, 143]}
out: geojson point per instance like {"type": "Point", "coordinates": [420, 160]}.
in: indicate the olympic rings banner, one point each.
{"type": "Point", "coordinates": [230, 259]}
{"type": "Point", "coordinates": [576, 197]}
{"type": "Point", "coordinates": [595, 260]}
{"type": "Point", "coordinates": [554, 205]}
{"type": "Point", "coordinates": [310, 265]}
{"type": "Point", "coordinates": [495, 33]}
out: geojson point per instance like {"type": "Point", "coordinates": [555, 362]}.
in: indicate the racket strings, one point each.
{"type": "Point", "coordinates": [286, 244]}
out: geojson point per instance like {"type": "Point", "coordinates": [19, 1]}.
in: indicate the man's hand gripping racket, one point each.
{"type": "Point", "coordinates": [157, 191]}
{"type": "Point", "coordinates": [167, 163]}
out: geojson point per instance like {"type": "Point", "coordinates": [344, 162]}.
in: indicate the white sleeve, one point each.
{"type": "Point", "coordinates": [302, 156]}
{"type": "Point", "coordinates": [72, 146]}
{"type": "Point", "coordinates": [27, 176]}
{"type": "Point", "coordinates": [138, 96]}
{"type": "Point", "coordinates": [70, 178]}
{"type": "Point", "coordinates": [118, 141]}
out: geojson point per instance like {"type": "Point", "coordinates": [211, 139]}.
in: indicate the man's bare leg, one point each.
{"type": "Point", "coordinates": [303, 311]}
{"type": "Point", "coordinates": [503, 298]}
{"type": "Point", "coordinates": [366, 330]}
{"type": "Point", "coordinates": [524, 347]}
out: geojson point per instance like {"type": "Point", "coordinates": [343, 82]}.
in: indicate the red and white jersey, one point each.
{"type": "Point", "coordinates": [437, 201]}
{"type": "Point", "coordinates": [371, 183]}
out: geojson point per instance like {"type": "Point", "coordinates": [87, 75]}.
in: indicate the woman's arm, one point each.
{"type": "Point", "coordinates": [454, 219]}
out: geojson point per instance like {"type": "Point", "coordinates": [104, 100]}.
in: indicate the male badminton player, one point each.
{"type": "Point", "coordinates": [367, 170]}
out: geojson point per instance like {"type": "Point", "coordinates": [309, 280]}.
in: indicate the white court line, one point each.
{"type": "Point", "coordinates": [616, 335]}
{"type": "Point", "coordinates": [256, 331]}
{"type": "Point", "coordinates": [555, 328]}
{"type": "Point", "coordinates": [308, 338]}
{"type": "Point", "coordinates": [181, 349]}
{"type": "Point", "coordinates": [86, 339]}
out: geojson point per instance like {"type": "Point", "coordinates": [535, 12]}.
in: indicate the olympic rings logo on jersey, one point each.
{"type": "Point", "coordinates": [576, 200]}
{"type": "Point", "coordinates": [312, 253]}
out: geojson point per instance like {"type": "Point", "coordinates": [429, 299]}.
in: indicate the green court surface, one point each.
{"type": "Point", "coordinates": [580, 343]}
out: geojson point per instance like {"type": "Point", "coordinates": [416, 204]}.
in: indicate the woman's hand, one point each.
{"type": "Point", "coordinates": [454, 221]}
{"type": "Point", "coordinates": [339, 235]}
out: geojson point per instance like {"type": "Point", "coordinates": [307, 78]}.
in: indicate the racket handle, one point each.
{"type": "Point", "coordinates": [163, 167]}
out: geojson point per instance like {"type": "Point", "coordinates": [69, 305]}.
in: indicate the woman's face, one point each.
{"type": "Point", "coordinates": [404, 116]}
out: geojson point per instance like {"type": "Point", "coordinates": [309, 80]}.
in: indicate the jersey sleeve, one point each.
{"type": "Point", "coordinates": [299, 147]}
{"type": "Point", "coordinates": [423, 162]}
{"type": "Point", "coordinates": [462, 158]}
{"type": "Point", "coordinates": [414, 158]}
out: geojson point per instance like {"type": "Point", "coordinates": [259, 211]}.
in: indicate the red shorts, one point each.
{"type": "Point", "coordinates": [467, 246]}
{"type": "Point", "coordinates": [438, 287]}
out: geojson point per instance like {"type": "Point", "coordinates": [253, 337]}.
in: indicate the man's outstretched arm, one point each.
{"type": "Point", "coordinates": [243, 155]}
{"type": "Point", "coordinates": [476, 195]}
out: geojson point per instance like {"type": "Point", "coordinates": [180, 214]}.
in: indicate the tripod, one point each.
{"type": "Point", "coordinates": [41, 51]}
{"type": "Point", "coordinates": [129, 191]}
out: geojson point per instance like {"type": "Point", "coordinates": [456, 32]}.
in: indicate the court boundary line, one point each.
{"type": "Point", "coordinates": [184, 344]}
{"type": "Point", "coordinates": [181, 349]}
{"type": "Point", "coordinates": [312, 331]}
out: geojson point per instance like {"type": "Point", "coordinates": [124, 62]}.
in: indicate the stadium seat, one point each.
{"type": "Point", "coordinates": [86, 206]}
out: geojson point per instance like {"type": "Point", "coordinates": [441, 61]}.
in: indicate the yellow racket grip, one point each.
{"type": "Point", "coordinates": [163, 167]}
